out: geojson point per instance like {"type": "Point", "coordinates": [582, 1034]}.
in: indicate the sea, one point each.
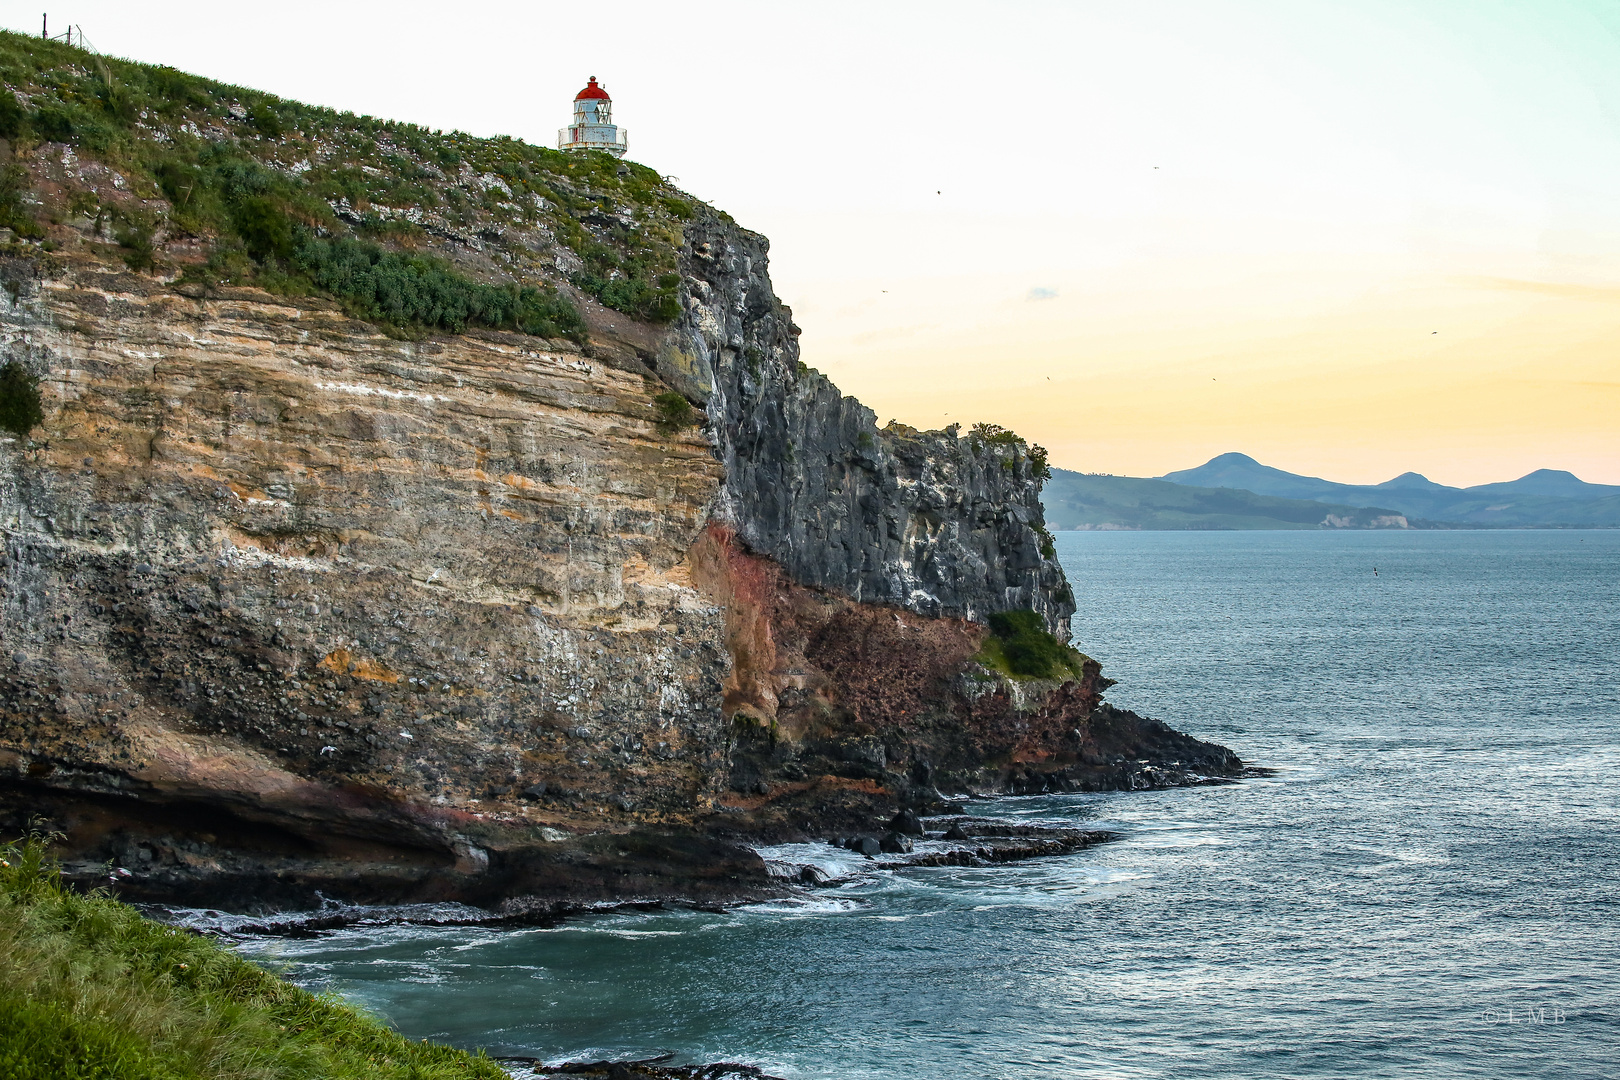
{"type": "Point", "coordinates": [1426, 885]}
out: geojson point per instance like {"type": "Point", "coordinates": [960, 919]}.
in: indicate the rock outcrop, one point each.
{"type": "Point", "coordinates": [925, 521]}
{"type": "Point", "coordinates": [290, 606]}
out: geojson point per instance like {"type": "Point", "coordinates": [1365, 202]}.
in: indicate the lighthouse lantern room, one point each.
{"type": "Point", "coordinates": [593, 127]}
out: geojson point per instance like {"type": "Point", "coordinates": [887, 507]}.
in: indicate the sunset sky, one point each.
{"type": "Point", "coordinates": [1349, 239]}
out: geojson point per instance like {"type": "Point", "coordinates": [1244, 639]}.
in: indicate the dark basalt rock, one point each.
{"type": "Point", "coordinates": [907, 823]}
{"type": "Point", "coordinates": [869, 846]}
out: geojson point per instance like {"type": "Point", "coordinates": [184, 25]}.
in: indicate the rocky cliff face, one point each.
{"type": "Point", "coordinates": [925, 521]}
{"type": "Point", "coordinates": [268, 566]}
{"type": "Point", "coordinates": [292, 606]}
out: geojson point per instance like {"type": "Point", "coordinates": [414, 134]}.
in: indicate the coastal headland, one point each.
{"type": "Point", "coordinates": [418, 517]}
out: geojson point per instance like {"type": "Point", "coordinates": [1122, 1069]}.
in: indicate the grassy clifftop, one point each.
{"type": "Point", "coordinates": [90, 990]}
{"type": "Point", "coordinates": [408, 227]}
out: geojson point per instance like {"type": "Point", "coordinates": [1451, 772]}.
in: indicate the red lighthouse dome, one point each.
{"type": "Point", "coordinates": [593, 127]}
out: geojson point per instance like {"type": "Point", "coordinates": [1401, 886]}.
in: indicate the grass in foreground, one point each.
{"type": "Point", "coordinates": [91, 990]}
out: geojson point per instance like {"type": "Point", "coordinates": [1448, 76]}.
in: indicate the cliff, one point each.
{"type": "Point", "coordinates": [413, 516]}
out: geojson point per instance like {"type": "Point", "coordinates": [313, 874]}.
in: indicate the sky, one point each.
{"type": "Point", "coordinates": [1348, 239]}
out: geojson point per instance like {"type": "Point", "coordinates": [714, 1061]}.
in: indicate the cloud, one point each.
{"type": "Point", "coordinates": [1042, 293]}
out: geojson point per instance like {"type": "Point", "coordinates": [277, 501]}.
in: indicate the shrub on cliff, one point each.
{"type": "Point", "coordinates": [982, 435]}
{"type": "Point", "coordinates": [653, 302]}
{"type": "Point", "coordinates": [417, 290]}
{"type": "Point", "coordinates": [90, 990]}
{"type": "Point", "coordinates": [11, 117]}
{"type": "Point", "coordinates": [14, 213]}
{"type": "Point", "coordinates": [674, 412]}
{"type": "Point", "coordinates": [136, 240]}
{"type": "Point", "coordinates": [19, 400]}
{"type": "Point", "coordinates": [1020, 645]}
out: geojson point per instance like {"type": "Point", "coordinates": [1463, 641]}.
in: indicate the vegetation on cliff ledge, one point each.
{"type": "Point", "coordinates": [412, 228]}
{"type": "Point", "coordinates": [91, 990]}
{"type": "Point", "coordinates": [1020, 647]}
{"type": "Point", "coordinates": [19, 399]}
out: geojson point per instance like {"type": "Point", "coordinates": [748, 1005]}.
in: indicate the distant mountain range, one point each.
{"type": "Point", "coordinates": [1234, 491]}
{"type": "Point", "coordinates": [1082, 501]}
{"type": "Point", "coordinates": [1546, 497]}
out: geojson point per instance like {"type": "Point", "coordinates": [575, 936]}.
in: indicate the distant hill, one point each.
{"type": "Point", "coordinates": [1079, 501]}
{"type": "Point", "coordinates": [1243, 472]}
{"type": "Point", "coordinates": [1550, 482]}
{"type": "Point", "coordinates": [1545, 497]}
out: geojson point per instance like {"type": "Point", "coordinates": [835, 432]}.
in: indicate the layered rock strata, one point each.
{"type": "Point", "coordinates": [291, 607]}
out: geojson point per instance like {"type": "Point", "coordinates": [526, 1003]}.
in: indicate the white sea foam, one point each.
{"type": "Point", "coordinates": [832, 863]}
{"type": "Point", "coordinates": [807, 905]}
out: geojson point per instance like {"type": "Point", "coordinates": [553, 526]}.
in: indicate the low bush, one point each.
{"type": "Point", "coordinates": [1037, 459]}
{"type": "Point", "coordinates": [265, 120]}
{"type": "Point", "coordinates": [1020, 645]}
{"type": "Point", "coordinates": [409, 291]}
{"type": "Point", "coordinates": [11, 116]}
{"type": "Point", "coordinates": [1048, 545]}
{"type": "Point", "coordinates": [14, 212]}
{"type": "Point", "coordinates": [91, 990]}
{"type": "Point", "coordinates": [20, 409]}
{"type": "Point", "coordinates": [644, 299]}
{"type": "Point", "coordinates": [674, 412]}
{"type": "Point", "coordinates": [995, 435]}
{"type": "Point", "coordinates": [54, 124]}
{"type": "Point", "coordinates": [139, 251]}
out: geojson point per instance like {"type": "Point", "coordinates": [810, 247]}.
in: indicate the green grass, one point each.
{"type": "Point", "coordinates": [1020, 647]}
{"type": "Point", "coordinates": [266, 180]}
{"type": "Point", "coordinates": [91, 990]}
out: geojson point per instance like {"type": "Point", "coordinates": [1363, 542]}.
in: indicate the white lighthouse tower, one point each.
{"type": "Point", "coordinates": [593, 127]}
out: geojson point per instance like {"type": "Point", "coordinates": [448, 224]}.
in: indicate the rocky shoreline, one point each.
{"type": "Point", "coordinates": [654, 1068]}
{"type": "Point", "coordinates": [795, 868]}
{"type": "Point", "coordinates": [895, 818]}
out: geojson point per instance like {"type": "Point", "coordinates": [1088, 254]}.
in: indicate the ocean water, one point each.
{"type": "Point", "coordinates": [1428, 887]}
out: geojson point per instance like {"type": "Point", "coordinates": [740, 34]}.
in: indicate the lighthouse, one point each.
{"type": "Point", "coordinates": [593, 127]}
